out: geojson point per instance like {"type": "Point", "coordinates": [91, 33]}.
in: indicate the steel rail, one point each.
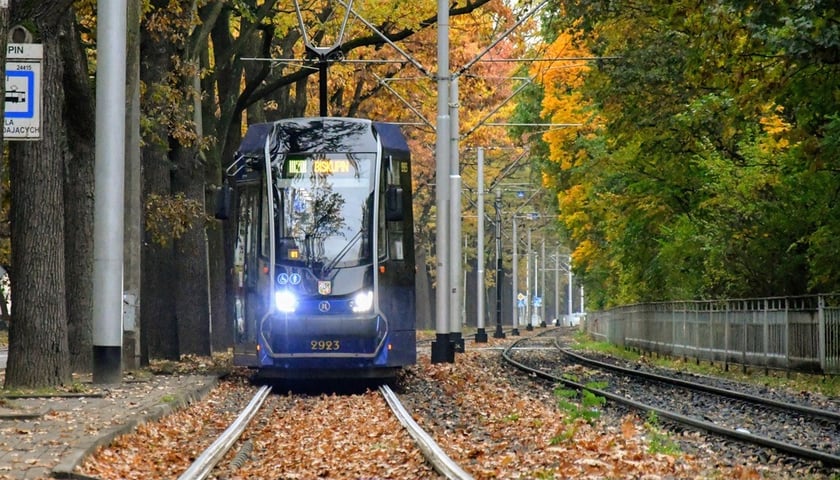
{"type": "Point", "coordinates": [431, 450]}
{"type": "Point", "coordinates": [814, 412]}
{"type": "Point", "coordinates": [204, 464]}
{"type": "Point", "coordinates": [827, 459]}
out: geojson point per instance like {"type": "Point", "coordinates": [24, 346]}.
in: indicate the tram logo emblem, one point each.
{"type": "Point", "coordinates": [324, 287]}
{"type": "Point", "coordinates": [324, 307]}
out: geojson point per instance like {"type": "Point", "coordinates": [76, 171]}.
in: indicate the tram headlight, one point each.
{"type": "Point", "coordinates": [285, 301]}
{"type": "Point", "coordinates": [362, 302]}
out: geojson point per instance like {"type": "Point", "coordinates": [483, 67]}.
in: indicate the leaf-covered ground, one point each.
{"type": "Point", "coordinates": [494, 422]}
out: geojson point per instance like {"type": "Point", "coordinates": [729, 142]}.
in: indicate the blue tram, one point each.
{"type": "Point", "coordinates": [323, 251]}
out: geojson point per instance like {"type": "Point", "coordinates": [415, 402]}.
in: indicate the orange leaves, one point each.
{"type": "Point", "coordinates": [518, 426]}
{"type": "Point", "coordinates": [492, 421]}
{"type": "Point", "coordinates": [628, 428]}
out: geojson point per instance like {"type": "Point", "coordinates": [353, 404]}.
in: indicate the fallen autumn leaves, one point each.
{"type": "Point", "coordinates": [494, 422]}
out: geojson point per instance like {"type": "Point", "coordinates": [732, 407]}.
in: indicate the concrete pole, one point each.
{"type": "Point", "coordinates": [529, 299]}
{"type": "Point", "coordinates": [582, 307]}
{"type": "Point", "coordinates": [442, 350]}
{"type": "Point", "coordinates": [571, 301]}
{"type": "Point", "coordinates": [109, 185]}
{"type": "Point", "coordinates": [456, 268]}
{"type": "Point", "coordinates": [500, 276]}
{"type": "Point", "coordinates": [557, 285]}
{"type": "Point", "coordinates": [542, 285]}
{"type": "Point", "coordinates": [515, 273]}
{"type": "Point", "coordinates": [133, 189]}
{"type": "Point", "coordinates": [481, 334]}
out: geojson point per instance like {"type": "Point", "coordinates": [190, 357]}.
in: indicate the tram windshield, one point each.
{"type": "Point", "coordinates": [323, 205]}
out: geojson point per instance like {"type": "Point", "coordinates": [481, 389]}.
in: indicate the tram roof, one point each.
{"type": "Point", "coordinates": [320, 134]}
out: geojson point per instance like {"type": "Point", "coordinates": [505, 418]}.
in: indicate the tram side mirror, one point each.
{"type": "Point", "coordinates": [394, 204]}
{"type": "Point", "coordinates": [223, 201]}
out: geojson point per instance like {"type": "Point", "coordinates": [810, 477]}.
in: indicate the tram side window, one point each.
{"type": "Point", "coordinates": [382, 233]}
{"type": "Point", "coordinates": [390, 232]}
{"type": "Point", "coordinates": [246, 242]}
{"type": "Point", "coordinates": [264, 224]}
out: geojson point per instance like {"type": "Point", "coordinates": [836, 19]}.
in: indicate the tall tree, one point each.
{"type": "Point", "coordinates": [38, 345]}
{"type": "Point", "coordinates": [79, 120]}
{"type": "Point", "coordinates": [711, 169]}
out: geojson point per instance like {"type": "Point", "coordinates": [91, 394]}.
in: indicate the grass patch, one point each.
{"type": "Point", "coordinates": [660, 441]}
{"type": "Point", "coordinates": [513, 417]}
{"type": "Point", "coordinates": [4, 338]}
{"type": "Point", "coordinates": [587, 409]}
{"type": "Point", "coordinates": [794, 381]}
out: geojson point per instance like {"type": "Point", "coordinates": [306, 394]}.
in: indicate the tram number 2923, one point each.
{"type": "Point", "coordinates": [324, 345]}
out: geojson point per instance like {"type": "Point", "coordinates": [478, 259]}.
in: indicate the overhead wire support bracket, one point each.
{"type": "Point", "coordinates": [323, 54]}
{"type": "Point", "coordinates": [498, 107]}
{"type": "Point", "coordinates": [384, 83]}
{"type": "Point", "coordinates": [387, 40]}
{"type": "Point", "coordinates": [507, 32]}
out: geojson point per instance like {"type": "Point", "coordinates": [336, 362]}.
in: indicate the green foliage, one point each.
{"type": "Point", "coordinates": [711, 169]}
{"type": "Point", "coordinates": [512, 417]}
{"type": "Point", "coordinates": [659, 441]}
{"type": "Point", "coordinates": [588, 408]}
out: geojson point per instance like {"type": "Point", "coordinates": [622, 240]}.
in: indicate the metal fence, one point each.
{"type": "Point", "coordinates": [790, 333]}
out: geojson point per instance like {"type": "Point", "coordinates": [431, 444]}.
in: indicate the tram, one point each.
{"type": "Point", "coordinates": [323, 254]}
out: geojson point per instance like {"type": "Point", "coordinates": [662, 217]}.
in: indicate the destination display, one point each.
{"type": "Point", "coordinates": [318, 166]}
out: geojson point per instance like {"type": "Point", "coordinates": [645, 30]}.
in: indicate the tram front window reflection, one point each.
{"type": "Point", "coordinates": [322, 209]}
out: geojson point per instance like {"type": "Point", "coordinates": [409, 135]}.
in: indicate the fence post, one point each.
{"type": "Point", "coordinates": [726, 338]}
{"type": "Point", "coordinates": [711, 307]}
{"type": "Point", "coordinates": [821, 330]}
{"type": "Point", "coordinates": [744, 350]}
{"type": "Point", "coordinates": [765, 334]}
{"type": "Point", "coordinates": [673, 310]}
{"type": "Point", "coordinates": [787, 335]}
{"type": "Point", "coordinates": [698, 347]}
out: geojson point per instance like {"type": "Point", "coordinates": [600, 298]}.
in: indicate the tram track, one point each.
{"type": "Point", "coordinates": [206, 464]}
{"type": "Point", "coordinates": [799, 431]}
{"type": "Point", "coordinates": [494, 421]}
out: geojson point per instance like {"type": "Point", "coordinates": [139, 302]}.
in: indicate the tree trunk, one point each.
{"type": "Point", "coordinates": [221, 325]}
{"type": "Point", "coordinates": [425, 307]}
{"type": "Point", "coordinates": [80, 117]}
{"type": "Point", "coordinates": [158, 323]}
{"type": "Point", "coordinates": [191, 294]}
{"type": "Point", "coordinates": [38, 347]}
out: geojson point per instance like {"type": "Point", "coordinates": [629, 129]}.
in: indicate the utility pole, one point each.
{"type": "Point", "coordinates": [515, 272]}
{"type": "Point", "coordinates": [529, 302]}
{"type": "Point", "coordinates": [110, 190]}
{"type": "Point", "coordinates": [542, 284]}
{"type": "Point", "coordinates": [442, 349]}
{"type": "Point", "coordinates": [455, 265]}
{"type": "Point", "coordinates": [480, 334]}
{"type": "Point", "coordinates": [500, 274]}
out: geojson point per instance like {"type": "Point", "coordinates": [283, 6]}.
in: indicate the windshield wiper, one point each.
{"type": "Point", "coordinates": [329, 266]}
